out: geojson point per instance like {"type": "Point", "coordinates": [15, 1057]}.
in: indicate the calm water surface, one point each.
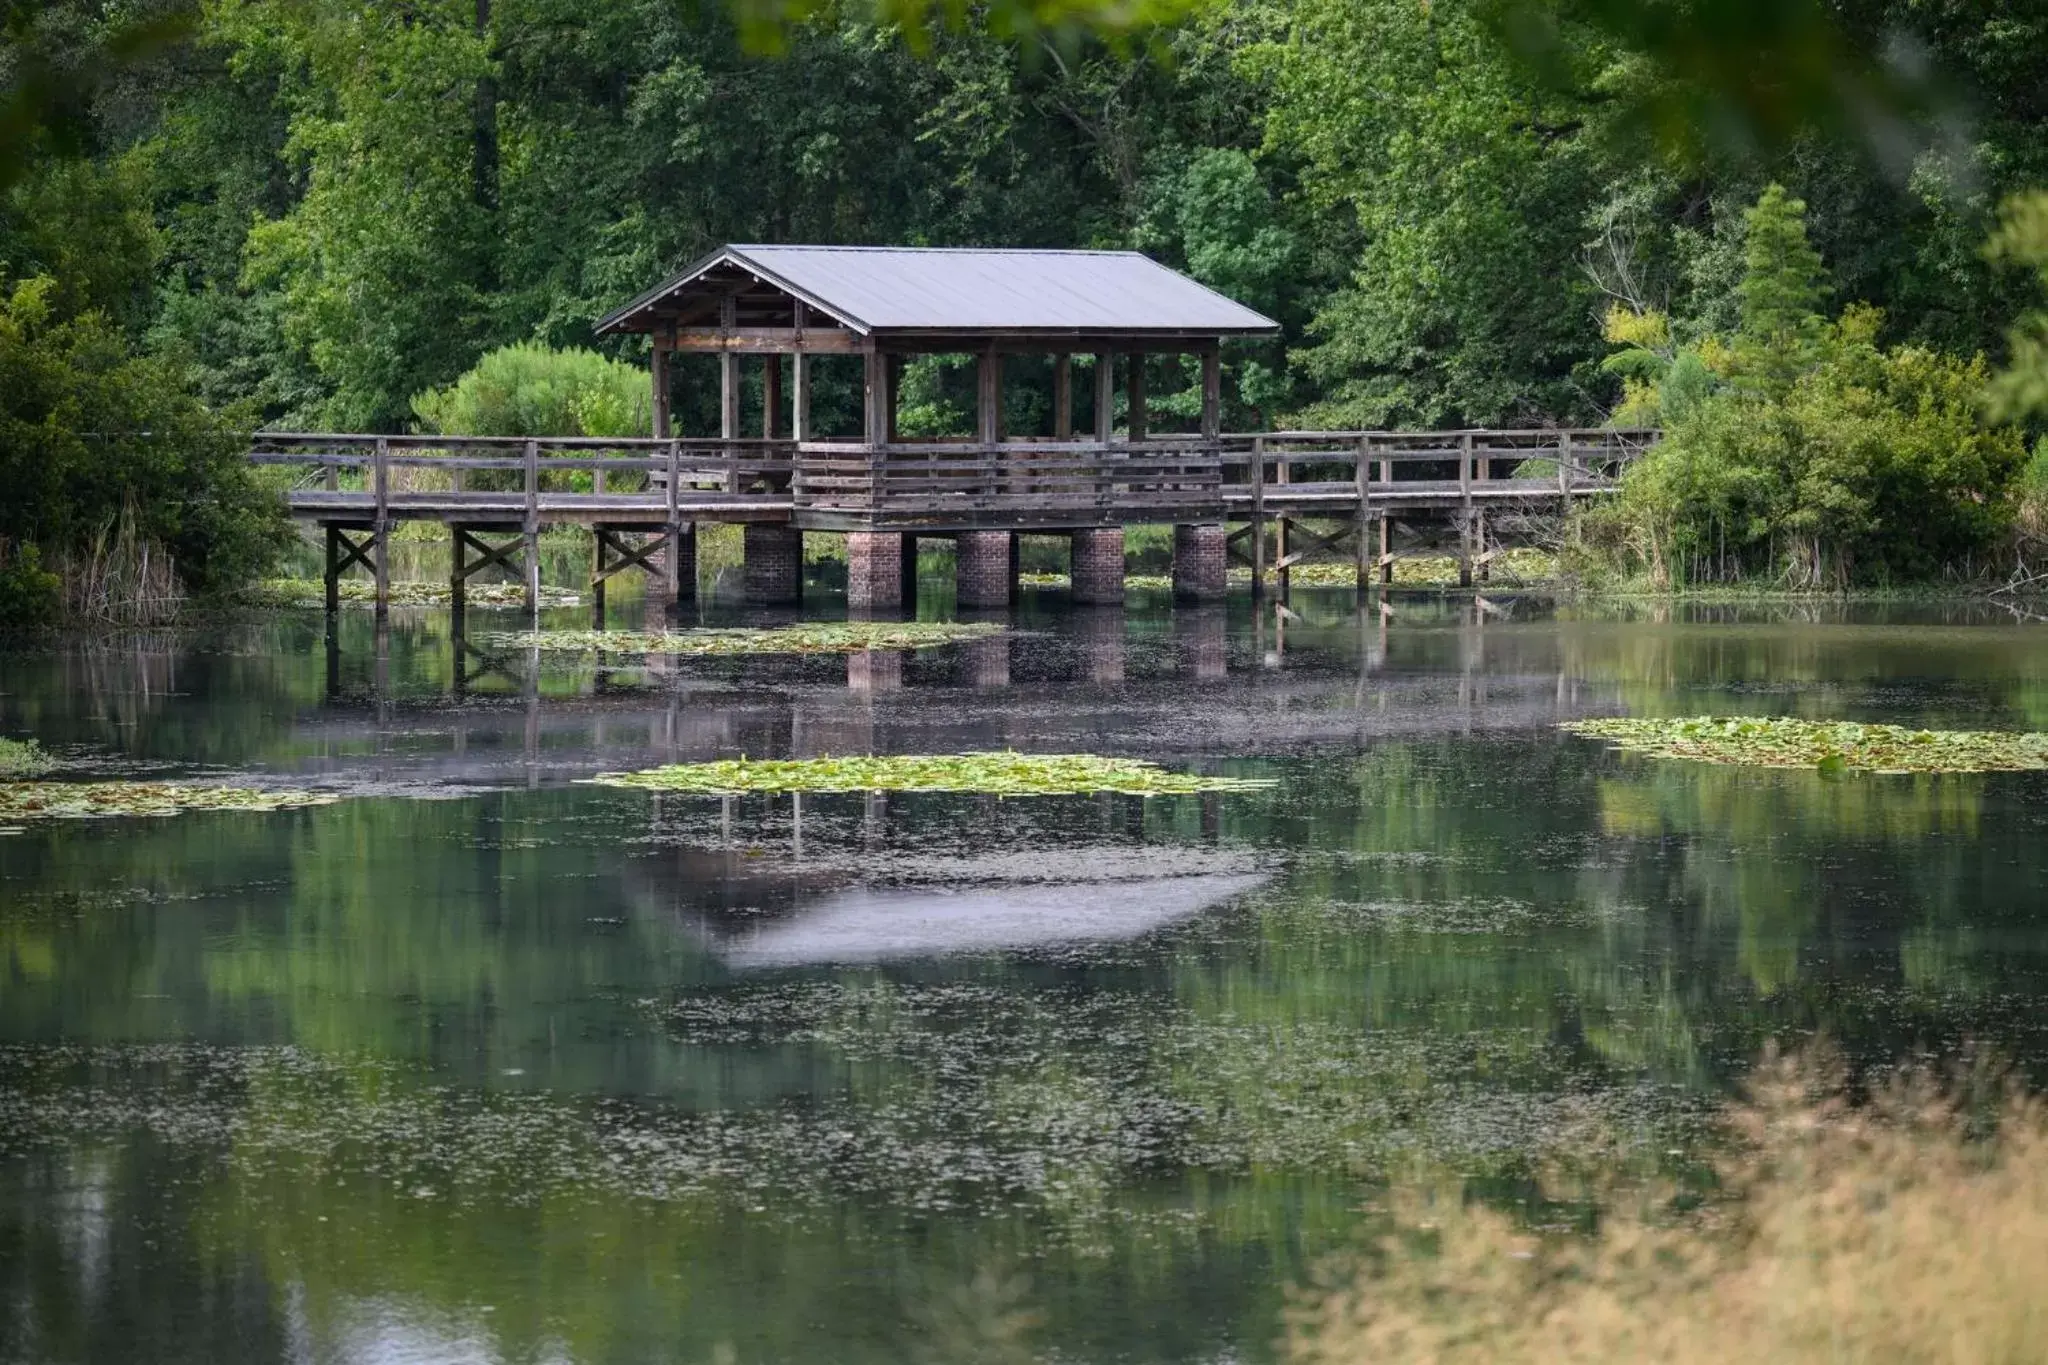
{"type": "Point", "coordinates": [481, 1064]}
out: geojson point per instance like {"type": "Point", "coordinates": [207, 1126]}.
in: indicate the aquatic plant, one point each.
{"type": "Point", "coordinates": [1000, 774]}
{"type": "Point", "coordinates": [823, 637]}
{"type": "Point", "coordinates": [1876, 1232]}
{"type": "Point", "coordinates": [361, 592]}
{"type": "Point", "coordinates": [23, 758]}
{"type": "Point", "coordinates": [1830, 746]}
{"type": "Point", "coordinates": [90, 800]}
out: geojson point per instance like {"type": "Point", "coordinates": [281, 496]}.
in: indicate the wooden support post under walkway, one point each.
{"type": "Point", "coordinates": [1258, 517]}
{"type": "Point", "coordinates": [344, 551]}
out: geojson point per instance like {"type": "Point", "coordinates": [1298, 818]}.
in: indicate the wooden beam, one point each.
{"type": "Point", "coordinates": [657, 372]}
{"type": "Point", "coordinates": [766, 340]}
{"type": "Point", "coordinates": [800, 379]}
{"type": "Point", "coordinates": [875, 399]}
{"type": "Point", "coordinates": [1212, 394]}
{"type": "Point", "coordinates": [1105, 395]}
{"type": "Point", "coordinates": [1062, 396]}
{"type": "Point", "coordinates": [1134, 396]}
{"type": "Point", "coordinates": [988, 397]}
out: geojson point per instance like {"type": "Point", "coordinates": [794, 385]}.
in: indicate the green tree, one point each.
{"type": "Point", "coordinates": [1783, 287]}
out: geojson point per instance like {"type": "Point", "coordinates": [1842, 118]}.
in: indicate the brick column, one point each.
{"type": "Point", "coordinates": [881, 571]}
{"type": "Point", "coordinates": [1098, 566]}
{"type": "Point", "coordinates": [774, 567]}
{"type": "Point", "coordinates": [983, 571]}
{"type": "Point", "coordinates": [1199, 563]}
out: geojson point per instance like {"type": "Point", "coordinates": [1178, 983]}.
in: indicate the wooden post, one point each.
{"type": "Point", "coordinates": [333, 568]}
{"type": "Point", "coordinates": [771, 397]}
{"type": "Point", "coordinates": [1134, 396]}
{"type": "Point", "coordinates": [1282, 473]}
{"type": "Point", "coordinates": [988, 397]}
{"type": "Point", "coordinates": [1386, 555]}
{"type": "Point", "coordinates": [597, 535]}
{"type": "Point", "coordinates": [1465, 510]}
{"type": "Point", "coordinates": [1564, 468]}
{"type": "Point", "coordinates": [1105, 396]}
{"type": "Point", "coordinates": [800, 383]}
{"type": "Point", "coordinates": [530, 529]}
{"type": "Point", "coordinates": [1062, 396]}
{"type": "Point", "coordinates": [1212, 394]}
{"type": "Point", "coordinates": [875, 399]}
{"type": "Point", "coordinates": [1258, 517]}
{"type": "Point", "coordinates": [729, 395]}
{"type": "Point", "coordinates": [892, 372]}
{"type": "Point", "coordinates": [657, 371]}
{"type": "Point", "coordinates": [458, 582]}
{"type": "Point", "coordinates": [678, 587]}
{"type": "Point", "coordinates": [380, 532]}
{"type": "Point", "coordinates": [1362, 530]}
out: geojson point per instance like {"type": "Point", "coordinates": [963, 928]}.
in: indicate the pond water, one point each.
{"type": "Point", "coordinates": [481, 1064]}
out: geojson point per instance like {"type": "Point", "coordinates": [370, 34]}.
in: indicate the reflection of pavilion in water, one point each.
{"type": "Point", "coordinates": [1090, 682]}
{"type": "Point", "coordinates": [793, 880]}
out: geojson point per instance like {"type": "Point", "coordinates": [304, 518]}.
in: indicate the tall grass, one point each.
{"type": "Point", "coordinates": [119, 577]}
{"type": "Point", "coordinates": [1909, 1228]}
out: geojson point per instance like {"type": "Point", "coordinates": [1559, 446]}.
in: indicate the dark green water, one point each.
{"type": "Point", "coordinates": [480, 1064]}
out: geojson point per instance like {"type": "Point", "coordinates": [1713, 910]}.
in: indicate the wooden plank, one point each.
{"type": "Point", "coordinates": [767, 341]}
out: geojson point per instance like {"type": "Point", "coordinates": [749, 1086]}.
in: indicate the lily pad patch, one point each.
{"type": "Point", "coordinates": [92, 800]}
{"type": "Point", "coordinates": [1831, 747]}
{"type": "Point", "coordinates": [827, 637]}
{"type": "Point", "coordinates": [998, 774]}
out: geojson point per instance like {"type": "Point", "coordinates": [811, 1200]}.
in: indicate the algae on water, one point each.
{"type": "Point", "coordinates": [90, 800]}
{"type": "Point", "coordinates": [1000, 774]}
{"type": "Point", "coordinates": [1829, 746]}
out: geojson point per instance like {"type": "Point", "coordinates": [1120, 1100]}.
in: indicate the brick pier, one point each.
{"type": "Point", "coordinates": [774, 569]}
{"type": "Point", "coordinates": [1199, 568]}
{"type": "Point", "coordinates": [1098, 566]}
{"type": "Point", "coordinates": [985, 570]}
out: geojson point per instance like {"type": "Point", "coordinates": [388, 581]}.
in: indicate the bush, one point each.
{"type": "Point", "coordinates": [1798, 448]}
{"type": "Point", "coordinates": [28, 591]}
{"type": "Point", "coordinates": [89, 428]}
{"type": "Point", "coordinates": [533, 390]}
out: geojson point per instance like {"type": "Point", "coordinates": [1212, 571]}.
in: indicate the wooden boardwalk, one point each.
{"type": "Point", "coordinates": [640, 496]}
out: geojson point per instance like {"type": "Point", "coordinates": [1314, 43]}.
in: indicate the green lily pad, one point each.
{"type": "Point", "coordinates": [999, 774]}
{"type": "Point", "coordinates": [1830, 747]}
{"type": "Point", "coordinates": [361, 592]}
{"type": "Point", "coordinates": [90, 800]}
{"type": "Point", "coordinates": [828, 637]}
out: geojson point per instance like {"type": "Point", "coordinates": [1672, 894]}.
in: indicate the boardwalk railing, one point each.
{"type": "Point", "coordinates": [941, 484]}
{"type": "Point", "coordinates": [377, 479]}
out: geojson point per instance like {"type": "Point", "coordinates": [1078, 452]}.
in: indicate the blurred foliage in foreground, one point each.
{"type": "Point", "coordinates": [1888, 1231]}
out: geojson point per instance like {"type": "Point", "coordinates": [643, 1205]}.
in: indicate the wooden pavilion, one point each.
{"type": "Point", "coordinates": [885, 304]}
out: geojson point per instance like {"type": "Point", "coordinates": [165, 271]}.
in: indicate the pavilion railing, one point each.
{"type": "Point", "coordinates": [1043, 481]}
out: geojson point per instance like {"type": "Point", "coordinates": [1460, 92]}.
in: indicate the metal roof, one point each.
{"type": "Point", "coordinates": [952, 290]}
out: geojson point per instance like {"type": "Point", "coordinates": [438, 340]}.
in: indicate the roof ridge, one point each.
{"type": "Point", "coordinates": [932, 250]}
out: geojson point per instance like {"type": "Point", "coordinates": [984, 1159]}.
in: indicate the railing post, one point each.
{"type": "Point", "coordinates": [530, 529]}
{"type": "Point", "coordinates": [1258, 517]}
{"type": "Point", "coordinates": [380, 533]}
{"type": "Point", "coordinates": [1564, 467]}
{"type": "Point", "coordinates": [1465, 510]}
{"type": "Point", "coordinates": [1361, 551]}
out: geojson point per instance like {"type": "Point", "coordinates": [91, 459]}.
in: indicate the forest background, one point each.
{"type": "Point", "coordinates": [308, 214]}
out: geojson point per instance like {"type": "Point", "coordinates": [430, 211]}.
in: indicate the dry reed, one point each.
{"type": "Point", "coordinates": [1885, 1231]}
{"type": "Point", "coordinates": [120, 578]}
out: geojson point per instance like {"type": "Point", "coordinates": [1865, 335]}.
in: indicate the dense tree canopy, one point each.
{"type": "Point", "coordinates": [317, 211]}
